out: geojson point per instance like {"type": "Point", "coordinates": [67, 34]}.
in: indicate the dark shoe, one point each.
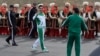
{"type": "Point", "coordinates": [31, 37]}
{"type": "Point", "coordinates": [96, 35]}
{"type": "Point", "coordinates": [7, 41]}
{"type": "Point", "coordinates": [14, 44]}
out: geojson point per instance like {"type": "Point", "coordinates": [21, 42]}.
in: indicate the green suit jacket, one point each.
{"type": "Point", "coordinates": [75, 24]}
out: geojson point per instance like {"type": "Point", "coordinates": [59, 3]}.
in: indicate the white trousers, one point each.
{"type": "Point", "coordinates": [37, 42]}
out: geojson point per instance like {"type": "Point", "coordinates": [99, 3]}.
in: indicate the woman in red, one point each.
{"type": "Point", "coordinates": [4, 20]}
{"type": "Point", "coordinates": [45, 10]}
{"type": "Point", "coordinates": [63, 14]}
{"type": "Point", "coordinates": [53, 15]}
{"type": "Point", "coordinates": [90, 21]}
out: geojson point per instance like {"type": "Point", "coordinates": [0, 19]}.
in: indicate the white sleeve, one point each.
{"type": "Point", "coordinates": [34, 16]}
{"type": "Point", "coordinates": [0, 17]}
{"type": "Point", "coordinates": [9, 18]}
{"type": "Point", "coordinates": [29, 15]}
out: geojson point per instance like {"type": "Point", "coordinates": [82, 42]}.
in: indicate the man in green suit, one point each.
{"type": "Point", "coordinates": [41, 27]}
{"type": "Point", "coordinates": [75, 24]}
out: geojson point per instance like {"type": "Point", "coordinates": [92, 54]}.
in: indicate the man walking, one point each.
{"type": "Point", "coordinates": [12, 25]}
{"type": "Point", "coordinates": [31, 13]}
{"type": "Point", "coordinates": [41, 27]}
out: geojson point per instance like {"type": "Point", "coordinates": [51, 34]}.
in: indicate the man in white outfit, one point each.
{"type": "Point", "coordinates": [41, 26]}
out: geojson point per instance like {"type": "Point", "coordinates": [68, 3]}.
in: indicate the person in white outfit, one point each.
{"type": "Point", "coordinates": [41, 27]}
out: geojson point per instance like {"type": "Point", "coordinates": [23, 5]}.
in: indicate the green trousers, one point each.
{"type": "Point", "coordinates": [71, 39]}
{"type": "Point", "coordinates": [41, 32]}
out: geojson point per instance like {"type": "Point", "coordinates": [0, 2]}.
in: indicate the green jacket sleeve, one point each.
{"type": "Point", "coordinates": [84, 26]}
{"type": "Point", "coordinates": [38, 21]}
{"type": "Point", "coordinates": [35, 17]}
{"type": "Point", "coordinates": [65, 23]}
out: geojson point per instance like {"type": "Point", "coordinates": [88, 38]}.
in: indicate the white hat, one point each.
{"type": "Point", "coordinates": [85, 3]}
{"type": "Point", "coordinates": [28, 5]}
{"type": "Point", "coordinates": [16, 5]}
{"type": "Point", "coordinates": [4, 4]}
{"type": "Point", "coordinates": [52, 4]}
{"type": "Point", "coordinates": [97, 3]}
{"type": "Point", "coordinates": [67, 4]}
{"type": "Point", "coordinates": [41, 4]}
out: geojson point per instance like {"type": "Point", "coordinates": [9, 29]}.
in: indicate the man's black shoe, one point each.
{"type": "Point", "coordinates": [14, 44]}
{"type": "Point", "coordinates": [7, 41]}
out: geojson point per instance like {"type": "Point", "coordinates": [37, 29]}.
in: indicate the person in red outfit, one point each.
{"type": "Point", "coordinates": [53, 15]}
{"type": "Point", "coordinates": [63, 14]}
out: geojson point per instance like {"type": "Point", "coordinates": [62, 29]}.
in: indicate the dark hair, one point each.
{"type": "Point", "coordinates": [11, 6]}
{"type": "Point", "coordinates": [67, 6]}
{"type": "Point", "coordinates": [40, 6]}
{"type": "Point", "coordinates": [34, 4]}
{"type": "Point", "coordinates": [91, 6]}
{"type": "Point", "coordinates": [76, 10]}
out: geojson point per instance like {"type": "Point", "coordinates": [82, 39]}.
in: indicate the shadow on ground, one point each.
{"type": "Point", "coordinates": [35, 53]}
{"type": "Point", "coordinates": [57, 39]}
{"type": "Point", "coordinates": [96, 52]}
{"type": "Point", "coordinates": [4, 47]}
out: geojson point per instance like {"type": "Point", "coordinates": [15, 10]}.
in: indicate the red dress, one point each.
{"type": "Point", "coordinates": [89, 35]}
{"type": "Point", "coordinates": [64, 31]}
{"type": "Point", "coordinates": [54, 30]}
{"type": "Point", "coordinates": [4, 28]}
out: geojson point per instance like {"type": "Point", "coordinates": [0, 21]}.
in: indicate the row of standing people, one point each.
{"type": "Point", "coordinates": [75, 24]}
{"type": "Point", "coordinates": [54, 17]}
{"type": "Point", "coordinates": [52, 22]}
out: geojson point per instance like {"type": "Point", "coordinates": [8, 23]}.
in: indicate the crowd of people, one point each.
{"type": "Point", "coordinates": [54, 16]}
{"type": "Point", "coordinates": [41, 19]}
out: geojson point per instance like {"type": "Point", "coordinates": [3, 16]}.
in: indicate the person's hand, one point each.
{"type": "Point", "coordinates": [87, 32]}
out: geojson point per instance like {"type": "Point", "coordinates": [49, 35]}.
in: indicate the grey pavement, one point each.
{"type": "Point", "coordinates": [56, 47]}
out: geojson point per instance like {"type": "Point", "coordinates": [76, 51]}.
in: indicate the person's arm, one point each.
{"type": "Point", "coordinates": [34, 17]}
{"type": "Point", "coordinates": [9, 18]}
{"type": "Point", "coordinates": [65, 23]}
{"type": "Point", "coordinates": [32, 13]}
{"type": "Point", "coordinates": [0, 17]}
{"type": "Point", "coordinates": [29, 15]}
{"type": "Point", "coordinates": [83, 26]}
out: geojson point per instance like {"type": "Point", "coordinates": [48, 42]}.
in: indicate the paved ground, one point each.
{"type": "Point", "coordinates": [56, 47]}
